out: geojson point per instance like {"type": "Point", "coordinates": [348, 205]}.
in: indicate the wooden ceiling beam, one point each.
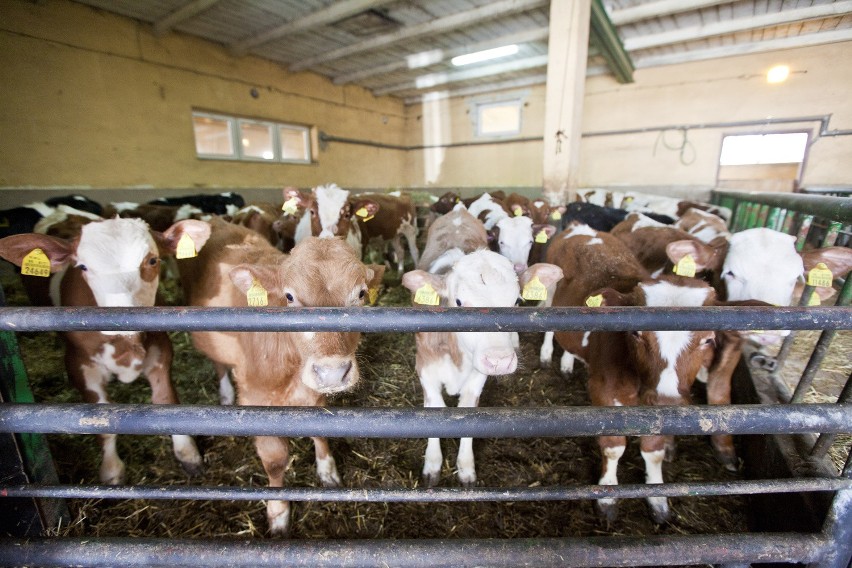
{"type": "Point", "coordinates": [480, 89]}
{"type": "Point", "coordinates": [440, 25]}
{"type": "Point", "coordinates": [659, 9]}
{"type": "Point", "coordinates": [334, 13]}
{"type": "Point", "coordinates": [738, 25]}
{"type": "Point", "coordinates": [185, 12]}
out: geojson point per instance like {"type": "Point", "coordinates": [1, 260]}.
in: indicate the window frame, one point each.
{"type": "Point", "coordinates": [804, 157]}
{"type": "Point", "coordinates": [236, 133]}
{"type": "Point", "coordinates": [517, 101]}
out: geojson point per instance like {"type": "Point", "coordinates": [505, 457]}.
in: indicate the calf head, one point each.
{"type": "Point", "coordinates": [483, 279]}
{"type": "Point", "coordinates": [515, 237]}
{"type": "Point", "coordinates": [332, 211]}
{"type": "Point", "coordinates": [317, 273]}
{"type": "Point", "coordinates": [445, 203]}
{"type": "Point", "coordinates": [119, 259]}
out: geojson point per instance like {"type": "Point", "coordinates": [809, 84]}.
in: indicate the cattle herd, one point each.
{"type": "Point", "coordinates": [492, 250]}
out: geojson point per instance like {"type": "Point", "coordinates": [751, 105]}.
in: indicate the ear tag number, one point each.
{"type": "Point", "coordinates": [372, 295]}
{"type": "Point", "coordinates": [185, 247]}
{"type": "Point", "coordinates": [290, 206]}
{"type": "Point", "coordinates": [427, 296]}
{"type": "Point", "coordinates": [256, 295]}
{"type": "Point", "coordinates": [541, 237]}
{"type": "Point", "coordinates": [595, 301]}
{"type": "Point", "coordinates": [685, 266]}
{"type": "Point", "coordinates": [556, 216]}
{"type": "Point", "coordinates": [820, 276]}
{"type": "Point", "coordinates": [534, 290]}
{"type": "Point", "coordinates": [36, 263]}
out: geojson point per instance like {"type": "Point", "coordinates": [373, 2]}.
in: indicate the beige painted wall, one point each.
{"type": "Point", "coordinates": [95, 100]}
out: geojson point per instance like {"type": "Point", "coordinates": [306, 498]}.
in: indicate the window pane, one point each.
{"type": "Point", "coordinates": [501, 118]}
{"type": "Point", "coordinates": [294, 144]}
{"type": "Point", "coordinates": [256, 140]}
{"type": "Point", "coordinates": [213, 136]}
{"type": "Point", "coordinates": [763, 149]}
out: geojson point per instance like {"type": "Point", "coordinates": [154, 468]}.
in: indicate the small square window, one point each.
{"type": "Point", "coordinates": [499, 118]}
{"type": "Point", "coordinates": [256, 140]}
{"type": "Point", "coordinates": [295, 144]}
{"type": "Point", "coordinates": [213, 135]}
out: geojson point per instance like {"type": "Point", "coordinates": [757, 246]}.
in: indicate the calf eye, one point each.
{"type": "Point", "coordinates": [82, 267]}
{"type": "Point", "coordinates": [153, 261]}
{"type": "Point", "coordinates": [458, 302]}
{"type": "Point", "coordinates": [289, 297]}
{"type": "Point", "coordinates": [362, 293]}
{"type": "Point", "coordinates": [728, 274]}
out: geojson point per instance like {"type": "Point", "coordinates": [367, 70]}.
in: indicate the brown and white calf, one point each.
{"type": "Point", "coordinates": [273, 368]}
{"type": "Point", "coordinates": [395, 218]}
{"type": "Point", "coordinates": [159, 217]}
{"type": "Point", "coordinates": [460, 362]}
{"type": "Point", "coordinates": [629, 368]}
{"type": "Point", "coordinates": [114, 263]}
{"type": "Point", "coordinates": [706, 226]}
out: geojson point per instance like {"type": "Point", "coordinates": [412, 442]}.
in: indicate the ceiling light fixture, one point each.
{"type": "Point", "coordinates": [485, 55]}
{"type": "Point", "coordinates": [778, 74]}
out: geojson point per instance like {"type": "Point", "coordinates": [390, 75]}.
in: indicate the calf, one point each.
{"type": "Point", "coordinates": [683, 208]}
{"type": "Point", "coordinates": [223, 204]}
{"type": "Point", "coordinates": [705, 226]}
{"type": "Point", "coordinates": [22, 219]}
{"type": "Point", "coordinates": [158, 217]}
{"type": "Point", "coordinates": [629, 368]}
{"type": "Point", "coordinates": [112, 263]}
{"type": "Point", "coordinates": [78, 202]}
{"type": "Point", "coordinates": [394, 219]}
{"type": "Point", "coordinates": [461, 362]}
{"type": "Point", "coordinates": [272, 368]}
{"type": "Point", "coordinates": [260, 218]}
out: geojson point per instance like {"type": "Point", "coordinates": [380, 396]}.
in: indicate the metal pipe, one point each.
{"type": "Point", "coordinates": [450, 553]}
{"type": "Point", "coordinates": [837, 528]}
{"type": "Point", "coordinates": [825, 441]}
{"type": "Point", "coordinates": [423, 319]}
{"type": "Point", "coordinates": [834, 208]}
{"type": "Point", "coordinates": [424, 422]}
{"type": "Point", "coordinates": [431, 495]}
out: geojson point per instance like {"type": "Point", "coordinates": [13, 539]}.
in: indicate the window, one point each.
{"type": "Point", "coordinates": [763, 149]}
{"type": "Point", "coordinates": [498, 118]}
{"type": "Point", "coordinates": [231, 138]}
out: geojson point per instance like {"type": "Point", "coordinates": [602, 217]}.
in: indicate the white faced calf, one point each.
{"type": "Point", "coordinates": [114, 263]}
{"type": "Point", "coordinates": [460, 362]}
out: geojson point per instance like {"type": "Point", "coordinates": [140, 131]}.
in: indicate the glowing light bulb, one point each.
{"type": "Point", "coordinates": [778, 74]}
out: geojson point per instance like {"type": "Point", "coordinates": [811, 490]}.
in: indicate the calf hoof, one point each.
{"type": "Point", "coordinates": [671, 452]}
{"type": "Point", "coordinates": [113, 474]}
{"type": "Point", "coordinates": [430, 479]}
{"type": "Point", "coordinates": [608, 509]}
{"type": "Point", "coordinates": [192, 468]}
{"type": "Point", "coordinates": [278, 516]}
{"type": "Point", "coordinates": [728, 458]}
{"type": "Point", "coordinates": [659, 510]}
{"type": "Point", "coordinates": [544, 364]}
{"type": "Point", "coordinates": [467, 479]}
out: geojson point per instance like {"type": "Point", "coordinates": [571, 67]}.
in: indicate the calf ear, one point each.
{"type": "Point", "coordinates": [549, 230]}
{"type": "Point", "coordinates": [612, 297]}
{"type": "Point", "coordinates": [375, 273]}
{"type": "Point", "coordinates": [837, 259]}
{"type": "Point", "coordinates": [245, 275]}
{"type": "Point", "coordinates": [705, 256]}
{"type": "Point", "coordinates": [548, 274]}
{"type": "Point", "coordinates": [416, 279]}
{"type": "Point", "coordinates": [16, 247]}
{"type": "Point", "coordinates": [302, 200]}
{"type": "Point", "coordinates": [167, 241]}
{"type": "Point", "coordinates": [368, 205]}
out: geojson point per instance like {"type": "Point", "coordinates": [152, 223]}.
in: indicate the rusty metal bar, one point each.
{"type": "Point", "coordinates": [424, 319]}
{"type": "Point", "coordinates": [424, 422]}
{"type": "Point", "coordinates": [430, 495]}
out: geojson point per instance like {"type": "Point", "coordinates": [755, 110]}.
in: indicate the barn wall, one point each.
{"type": "Point", "coordinates": [96, 100]}
{"type": "Point", "coordinates": [727, 90]}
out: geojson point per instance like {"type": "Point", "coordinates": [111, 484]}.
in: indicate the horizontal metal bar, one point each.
{"type": "Point", "coordinates": [423, 319]}
{"type": "Point", "coordinates": [423, 422]}
{"type": "Point", "coordinates": [830, 208]}
{"type": "Point", "coordinates": [430, 495]}
{"type": "Point", "coordinates": [455, 553]}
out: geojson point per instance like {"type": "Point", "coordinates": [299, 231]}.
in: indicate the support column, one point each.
{"type": "Point", "coordinates": [567, 49]}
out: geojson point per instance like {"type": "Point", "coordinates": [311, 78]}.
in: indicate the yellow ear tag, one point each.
{"type": "Point", "coordinates": [185, 247]}
{"type": "Point", "coordinates": [685, 266]}
{"type": "Point", "coordinates": [256, 295]}
{"type": "Point", "coordinates": [534, 290]}
{"type": "Point", "coordinates": [626, 201]}
{"type": "Point", "coordinates": [541, 237]}
{"type": "Point", "coordinates": [820, 276]}
{"type": "Point", "coordinates": [595, 301]}
{"type": "Point", "coordinates": [36, 263]}
{"type": "Point", "coordinates": [556, 216]}
{"type": "Point", "coordinates": [290, 206]}
{"type": "Point", "coordinates": [518, 211]}
{"type": "Point", "coordinates": [364, 214]}
{"type": "Point", "coordinates": [427, 296]}
{"type": "Point", "coordinates": [372, 295]}
{"type": "Point", "coordinates": [814, 300]}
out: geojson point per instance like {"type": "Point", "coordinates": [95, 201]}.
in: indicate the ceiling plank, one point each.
{"type": "Point", "coordinates": [659, 9]}
{"type": "Point", "coordinates": [424, 59]}
{"type": "Point", "coordinates": [454, 22]}
{"type": "Point", "coordinates": [336, 12]}
{"type": "Point", "coordinates": [605, 37]}
{"type": "Point", "coordinates": [807, 40]}
{"type": "Point", "coordinates": [435, 79]}
{"type": "Point", "coordinates": [738, 25]}
{"type": "Point", "coordinates": [185, 12]}
{"type": "Point", "coordinates": [480, 89]}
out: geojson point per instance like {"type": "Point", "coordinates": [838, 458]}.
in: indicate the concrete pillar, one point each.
{"type": "Point", "coordinates": [568, 49]}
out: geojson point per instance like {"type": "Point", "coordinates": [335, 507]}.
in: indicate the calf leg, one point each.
{"type": "Point", "coordinates": [612, 448]}
{"type": "Point", "coordinates": [410, 233]}
{"type": "Point", "coordinates": [719, 392]}
{"type": "Point", "coordinates": [653, 452]}
{"type": "Point", "coordinates": [274, 453]}
{"type": "Point", "coordinates": [468, 398]}
{"type": "Point", "coordinates": [545, 355]}
{"type": "Point", "coordinates": [432, 398]}
{"type": "Point", "coordinates": [396, 244]}
{"type": "Point", "coordinates": [227, 396]}
{"type": "Point", "coordinates": [157, 369]}
{"type": "Point", "coordinates": [326, 466]}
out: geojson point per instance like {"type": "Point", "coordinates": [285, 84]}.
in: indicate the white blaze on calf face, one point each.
{"type": "Point", "coordinates": [111, 253]}
{"type": "Point", "coordinates": [516, 240]}
{"type": "Point", "coordinates": [485, 279]}
{"type": "Point", "coordinates": [672, 344]}
{"type": "Point", "coordinates": [330, 200]}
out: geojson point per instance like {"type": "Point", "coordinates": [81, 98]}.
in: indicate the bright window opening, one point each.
{"type": "Point", "coordinates": [231, 138]}
{"type": "Point", "coordinates": [763, 149]}
{"type": "Point", "coordinates": [498, 118]}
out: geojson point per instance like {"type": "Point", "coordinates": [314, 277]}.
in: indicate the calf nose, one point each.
{"type": "Point", "coordinates": [499, 361]}
{"type": "Point", "coordinates": [329, 376]}
{"type": "Point", "coordinates": [520, 267]}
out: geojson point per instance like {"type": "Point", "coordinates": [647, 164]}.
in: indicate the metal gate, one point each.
{"type": "Point", "coordinates": [829, 546]}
